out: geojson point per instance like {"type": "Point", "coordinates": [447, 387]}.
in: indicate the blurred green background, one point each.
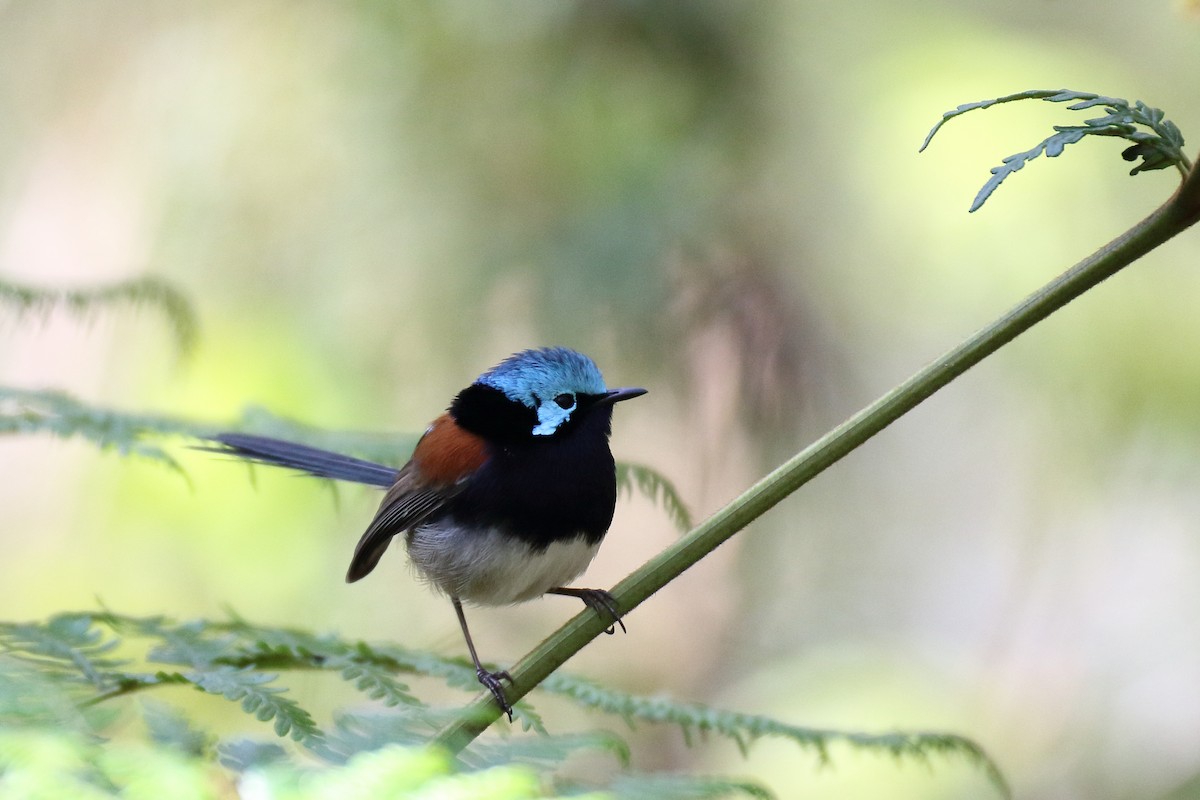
{"type": "Point", "coordinates": [371, 202]}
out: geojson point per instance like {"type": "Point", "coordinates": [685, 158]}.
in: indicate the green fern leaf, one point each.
{"type": "Point", "coordinates": [357, 732]}
{"type": "Point", "coordinates": [248, 688]}
{"type": "Point", "coordinates": [1160, 148]}
{"type": "Point", "coordinates": [28, 411]}
{"type": "Point", "coordinates": [228, 659]}
{"type": "Point", "coordinates": [546, 750]}
{"type": "Point", "coordinates": [684, 787]}
{"type": "Point", "coordinates": [191, 644]}
{"type": "Point", "coordinates": [241, 755]}
{"type": "Point", "coordinates": [528, 719]}
{"type": "Point", "coordinates": [743, 729]}
{"type": "Point", "coordinates": [658, 488]}
{"type": "Point", "coordinates": [137, 291]}
{"type": "Point", "coordinates": [169, 727]}
{"type": "Point", "coordinates": [68, 644]}
{"type": "Point", "coordinates": [375, 681]}
{"type": "Point", "coordinates": [1084, 100]}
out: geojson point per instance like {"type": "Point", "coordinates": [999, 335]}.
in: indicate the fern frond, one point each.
{"type": "Point", "coordinates": [263, 644]}
{"type": "Point", "coordinates": [744, 729]}
{"type": "Point", "coordinates": [241, 755]}
{"type": "Point", "coordinates": [248, 687]}
{"type": "Point", "coordinates": [33, 696]}
{"type": "Point", "coordinates": [167, 726]}
{"type": "Point", "coordinates": [193, 643]}
{"type": "Point", "coordinates": [455, 672]}
{"type": "Point", "coordinates": [81, 302]}
{"type": "Point", "coordinates": [239, 661]}
{"type": "Point", "coordinates": [68, 644]}
{"type": "Point", "coordinates": [27, 411]}
{"type": "Point", "coordinates": [684, 787]}
{"type": "Point", "coordinates": [1159, 148]}
{"type": "Point", "coordinates": [375, 681]}
{"type": "Point", "coordinates": [658, 488]}
{"type": "Point", "coordinates": [360, 731]}
{"type": "Point", "coordinates": [30, 411]}
{"type": "Point", "coordinates": [546, 750]}
{"type": "Point", "coordinates": [528, 719]}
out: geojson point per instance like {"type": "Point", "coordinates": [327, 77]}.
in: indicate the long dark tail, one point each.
{"type": "Point", "coordinates": [322, 463]}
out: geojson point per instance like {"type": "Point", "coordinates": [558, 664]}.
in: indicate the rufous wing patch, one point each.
{"type": "Point", "coordinates": [446, 453]}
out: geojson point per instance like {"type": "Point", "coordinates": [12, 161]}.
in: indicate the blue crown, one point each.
{"type": "Point", "coordinates": [533, 375]}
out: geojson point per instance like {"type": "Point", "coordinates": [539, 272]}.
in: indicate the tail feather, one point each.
{"type": "Point", "coordinates": [314, 461]}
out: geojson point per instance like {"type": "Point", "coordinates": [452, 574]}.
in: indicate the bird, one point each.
{"type": "Point", "coordinates": [506, 497]}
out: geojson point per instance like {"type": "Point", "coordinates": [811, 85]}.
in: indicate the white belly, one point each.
{"type": "Point", "coordinates": [488, 569]}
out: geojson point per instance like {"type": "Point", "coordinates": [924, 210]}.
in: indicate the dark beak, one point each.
{"type": "Point", "coordinates": [617, 395]}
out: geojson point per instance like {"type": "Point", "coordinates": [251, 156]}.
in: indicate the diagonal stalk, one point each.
{"type": "Point", "coordinates": [1179, 213]}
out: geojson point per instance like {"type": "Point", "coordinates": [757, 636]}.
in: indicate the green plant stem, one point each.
{"type": "Point", "coordinates": [1175, 216]}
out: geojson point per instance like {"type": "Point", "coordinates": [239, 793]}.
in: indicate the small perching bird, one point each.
{"type": "Point", "coordinates": [507, 495]}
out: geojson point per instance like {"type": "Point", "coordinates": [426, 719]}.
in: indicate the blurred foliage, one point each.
{"type": "Point", "coordinates": [67, 669]}
{"type": "Point", "coordinates": [28, 411]}
{"type": "Point", "coordinates": [625, 108]}
{"type": "Point", "coordinates": [48, 764]}
{"type": "Point", "coordinates": [652, 484]}
{"type": "Point", "coordinates": [86, 302]}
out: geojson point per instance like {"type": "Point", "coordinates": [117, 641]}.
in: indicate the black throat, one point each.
{"type": "Point", "coordinates": [540, 489]}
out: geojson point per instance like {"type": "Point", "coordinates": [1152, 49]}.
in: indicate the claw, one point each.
{"type": "Point", "coordinates": [493, 682]}
{"type": "Point", "coordinates": [599, 601]}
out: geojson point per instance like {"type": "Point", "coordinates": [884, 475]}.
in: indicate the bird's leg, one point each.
{"type": "Point", "coordinates": [489, 679]}
{"type": "Point", "coordinates": [597, 600]}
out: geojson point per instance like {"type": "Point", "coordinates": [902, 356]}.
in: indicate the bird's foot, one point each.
{"type": "Point", "coordinates": [599, 601]}
{"type": "Point", "coordinates": [493, 682]}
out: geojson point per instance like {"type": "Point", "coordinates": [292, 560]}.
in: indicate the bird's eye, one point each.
{"type": "Point", "coordinates": [565, 400]}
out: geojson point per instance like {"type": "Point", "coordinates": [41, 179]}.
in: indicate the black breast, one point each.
{"type": "Point", "coordinates": [544, 489]}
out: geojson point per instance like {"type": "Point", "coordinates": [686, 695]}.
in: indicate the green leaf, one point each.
{"type": "Point", "coordinates": [743, 729]}
{"type": "Point", "coordinates": [193, 644]}
{"type": "Point", "coordinates": [81, 302]}
{"type": "Point", "coordinates": [248, 687]}
{"type": "Point", "coordinates": [66, 644]}
{"type": "Point", "coordinates": [658, 488]}
{"type": "Point", "coordinates": [376, 682]}
{"type": "Point", "coordinates": [32, 696]}
{"type": "Point", "coordinates": [546, 750]}
{"type": "Point", "coordinates": [240, 755]}
{"type": "Point", "coordinates": [1085, 100]}
{"type": "Point", "coordinates": [241, 662]}
{"type": "Point", "coordinates": [684, 787]}
{"type": "Point", "coordinates": [528, 719]}
{"type": "Point", "coordinates": [24, 411]}
{"type": "Point", "coordinates": [1160, 148]}
{"type": "Point", "coordinates": [358, 731]}
{"type": "Point", "coordinates": [169, 727]}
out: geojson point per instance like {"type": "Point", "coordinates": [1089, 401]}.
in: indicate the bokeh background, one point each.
{"type": "Point", "coordinates": [369, 203]}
